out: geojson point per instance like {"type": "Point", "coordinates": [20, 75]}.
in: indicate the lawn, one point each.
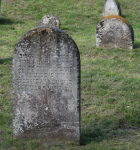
{"type": "Point", "coordinates": [110, 78]}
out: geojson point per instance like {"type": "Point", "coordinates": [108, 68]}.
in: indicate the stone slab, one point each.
{"type": "Point", "coordinates": [50, 20]}
{"type": "Point", "coordinates": [114, 32]}
{"type": "Point", "coordinates": [111, 7]}
{"type": "Point", "coordinates": [46, 86]}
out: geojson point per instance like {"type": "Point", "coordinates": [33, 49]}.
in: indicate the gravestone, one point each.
{"type": "Point", "coordinates": [111, 7]}
{"type": "Point", "coordinates": [49, 20]}
{"type": "Point", "coordinates": [114, 32]}
{"type": "Point", "coordinates": [46, 86]}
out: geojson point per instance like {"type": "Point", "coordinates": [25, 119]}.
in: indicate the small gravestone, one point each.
{"type": "Point", "coordinates": [46, 86]}
{"type": "Point", "coordinates": [114, 32]}
{"type": "Point", "coordinates": [111, 7]}
{"type": "Point", "coordinates": [49, 20]}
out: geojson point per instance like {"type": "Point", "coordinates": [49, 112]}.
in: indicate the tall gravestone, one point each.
{"type": "Point", "coordinates": [111, 7]}
{"type": "Point", "coordinates": [114, 32]}
{"type": "Point", "coordinates": [46, 86]}
{"type": "Point", "coordinates": [50, 20]}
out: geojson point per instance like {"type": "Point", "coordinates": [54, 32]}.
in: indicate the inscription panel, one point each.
{"type": "Point", "coordinates": [46, 85]}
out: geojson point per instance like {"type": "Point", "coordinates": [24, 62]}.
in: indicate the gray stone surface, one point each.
{"type": "Point", "coordinates": [49, 20]}
{"type": "Point", "coordinates": [111, 7]}
{"type": "Point", "coordinates": [114, 32]}
{"type": "Point", "coordinates": [46, 86]}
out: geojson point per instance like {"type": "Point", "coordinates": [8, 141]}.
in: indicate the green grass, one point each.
{"type": "Point", "coordinates": [110, 78]}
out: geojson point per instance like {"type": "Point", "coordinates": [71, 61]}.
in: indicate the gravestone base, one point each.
{"type": "Point", "coordinates": [52, 137]}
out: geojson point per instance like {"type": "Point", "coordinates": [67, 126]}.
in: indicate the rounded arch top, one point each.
{"type": "Point", "coordinates": [117, 17]}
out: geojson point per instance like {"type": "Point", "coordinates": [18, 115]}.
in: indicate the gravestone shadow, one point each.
{"type": "Point", "coordinates": [6, 60]}
{"type": "Point", "coordinates": [126, 16]}
{"type": "Point", "coordinates": [4, 21]}
{"type": "Point", "coordinates": [98, 133]}
{"type": "Point", "coordinates": [137, 45]}
{"type": "Point", "coordinates": [65, 28]}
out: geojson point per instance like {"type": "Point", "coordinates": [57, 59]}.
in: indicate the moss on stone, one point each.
{"type": "Point", "coordinates": [118, 17]}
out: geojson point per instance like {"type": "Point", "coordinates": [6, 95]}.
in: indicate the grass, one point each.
{"type": "Point", "coordinates": [110, 78]}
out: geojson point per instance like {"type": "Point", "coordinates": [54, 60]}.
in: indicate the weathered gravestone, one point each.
{"type": "Point", "coordinates": [49, 20]}
{"type": "Point", "coordinates": [114, 32]}
{"type": "Point", "coordinates": [111, 7]}
{"type": "Point", "coordinates": [46, 86]}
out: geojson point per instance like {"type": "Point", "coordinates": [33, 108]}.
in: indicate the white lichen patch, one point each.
{"type": "Point", "coordinates": [23, 111]}
{"type": "Point", "coordinates": [46, 20]}
{"type": "Point", "coordinates": [17, 125]}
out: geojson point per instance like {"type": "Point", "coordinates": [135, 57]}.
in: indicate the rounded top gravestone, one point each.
{"type": "Point", "coordinates": [46, 86]}
{"type": "Point", "coordinates": [114, 32]}
{"type": "Point", "coordinates": [49, 20]}
{"type": "Point", "coordinates": [111, 7]}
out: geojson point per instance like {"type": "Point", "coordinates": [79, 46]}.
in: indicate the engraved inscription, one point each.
{"type": "Point", "coordinates": [46, 85]}
{"type": "Point", "coordinates": [34, 73]}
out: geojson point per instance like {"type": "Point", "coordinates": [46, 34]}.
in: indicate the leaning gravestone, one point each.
{"type": "Point", "coordinates": [111, 7]}
{"type": "Point", "coordinates": [49, 20]}
{"type": "Point", "coordinates": [46, 86]}
{"type": "Point", "coordinates": [114, 32]}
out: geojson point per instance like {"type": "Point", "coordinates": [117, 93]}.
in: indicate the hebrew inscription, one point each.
{"type": "Point", "coordinates": [46, 86]}
{"type": "Point", "coordinates": [114, 32]}
{"type": "Point", "coordinates": [111, 7]}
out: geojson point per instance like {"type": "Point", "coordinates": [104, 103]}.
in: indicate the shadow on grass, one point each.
{"type": "Point", "coordinates": [5, 21]}
{"type": "Point", "coordinates": [6, 61]}
{"type": "Point", "coordinates": [98, 133]}
{"type": "Point", "coordinates": [137, 45]}
{"type": "Point", "coordinates": [127, 16]}
{"type": "Point", "coordinates": [5, 120]}
{"type": "Point", "coordinates": [65, 28]}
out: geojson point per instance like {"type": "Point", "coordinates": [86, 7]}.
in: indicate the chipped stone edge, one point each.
{"type": "Point", "coordinates": [49, 26]}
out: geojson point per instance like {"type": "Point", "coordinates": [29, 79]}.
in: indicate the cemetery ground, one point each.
{"type": "Point", "coordinates": [110, 78]}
